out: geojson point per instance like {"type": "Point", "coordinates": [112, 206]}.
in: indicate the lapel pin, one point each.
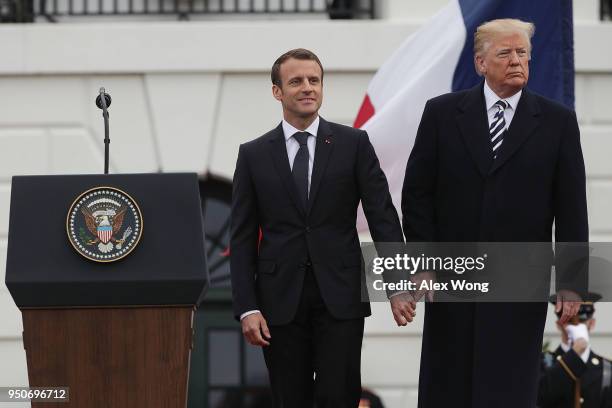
{"type": "Point", "coordinates": [327, 141]}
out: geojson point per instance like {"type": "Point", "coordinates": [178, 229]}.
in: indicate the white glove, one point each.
{"type": "Point", "coordinates": [575, 332]}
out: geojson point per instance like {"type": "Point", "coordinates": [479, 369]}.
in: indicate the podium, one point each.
{"type": "Point", "coordinates": [117, 333]}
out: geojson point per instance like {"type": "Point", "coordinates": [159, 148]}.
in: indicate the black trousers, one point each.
{"type": "Point", "coordinates": [316, 358]}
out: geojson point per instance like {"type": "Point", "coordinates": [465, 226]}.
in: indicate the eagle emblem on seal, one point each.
{"type": "Point", "coordinates": [104, 224]}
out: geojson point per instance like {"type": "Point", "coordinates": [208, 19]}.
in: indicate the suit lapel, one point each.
{"type": "Point", "coordinates": [278, 150]}
{"type": "Point", "coordinates": [323, 149]}
{"type": "Point", "coordinates": [473, 124]}
{"type": "Point", "coordinates": [524, 122]}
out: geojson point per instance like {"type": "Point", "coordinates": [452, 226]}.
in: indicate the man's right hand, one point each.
{"type": "Point", "coordinates": [568, 303]}
{"type": "Point", "coordinates": [255, 329]}
{"type": "Point", "coordinates": [403, 308]}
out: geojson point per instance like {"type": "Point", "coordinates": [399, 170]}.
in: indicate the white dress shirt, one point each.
{"type": "Point", "coordinates": [292, 148]}
{"type": "Point", "coordinates": [490, 99]}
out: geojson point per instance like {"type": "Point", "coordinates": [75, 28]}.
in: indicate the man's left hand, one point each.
{"type": "Point", "coordinates": [569, 302]}
{"type": "Point", "coordinates": [403, 308]}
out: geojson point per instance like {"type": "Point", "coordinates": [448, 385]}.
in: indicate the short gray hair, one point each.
{"type": "Point", "coordinates": [483, 37]}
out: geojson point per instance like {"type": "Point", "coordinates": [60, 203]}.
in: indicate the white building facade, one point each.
{"type": "Point", "coordinates": [186, 94]}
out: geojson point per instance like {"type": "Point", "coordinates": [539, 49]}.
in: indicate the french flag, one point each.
{"type": "Point", "coordinates": [438, 59]}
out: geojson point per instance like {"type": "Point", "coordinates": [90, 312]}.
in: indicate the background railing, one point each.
{"type": "Point", "coordinates": [29, 10]}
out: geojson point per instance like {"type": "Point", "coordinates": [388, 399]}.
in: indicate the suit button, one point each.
{"type": "Point", "coordinates": [308, 230]}
{"type": "Point", "coordinates": [308, 264]}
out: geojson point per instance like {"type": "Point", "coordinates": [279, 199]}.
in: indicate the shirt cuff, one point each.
{"type": "Point", "coordinates": [250, 312]}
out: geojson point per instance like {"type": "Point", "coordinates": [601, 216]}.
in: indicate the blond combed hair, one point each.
{"type": "Point", "coordinates": [487, 31]}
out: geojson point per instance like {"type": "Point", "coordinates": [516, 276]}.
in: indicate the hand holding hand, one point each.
{"type": "Point", "coordinates": [403, 308]}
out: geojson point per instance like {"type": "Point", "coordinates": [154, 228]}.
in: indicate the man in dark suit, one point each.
{"type": "Point", "coordinates": [295, 254]}
{"type": "Point", "coordinates": [573, 375]}
{"type": "Point", "coordinates": [494, 163]}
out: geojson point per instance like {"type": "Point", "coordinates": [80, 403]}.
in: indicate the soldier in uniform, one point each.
{"type": "Point", "coordinates": [573, 375]}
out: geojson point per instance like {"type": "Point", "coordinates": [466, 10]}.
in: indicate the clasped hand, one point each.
{"type": "Point", "coordinates": [403, 305]}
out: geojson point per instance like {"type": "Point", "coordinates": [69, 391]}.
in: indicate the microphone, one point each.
{"type": "Point", "coordinates": [103, 100]}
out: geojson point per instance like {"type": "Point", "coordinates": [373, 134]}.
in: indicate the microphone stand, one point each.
{"type": "Point", "coordinates": [103, 102]}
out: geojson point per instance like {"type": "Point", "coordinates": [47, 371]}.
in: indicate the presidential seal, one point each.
{"type": "Point", "coordinates": [104, 224]}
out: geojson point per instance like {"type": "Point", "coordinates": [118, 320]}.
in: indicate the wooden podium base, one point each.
{"type": "Point", "coordinates": [110, 357]}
